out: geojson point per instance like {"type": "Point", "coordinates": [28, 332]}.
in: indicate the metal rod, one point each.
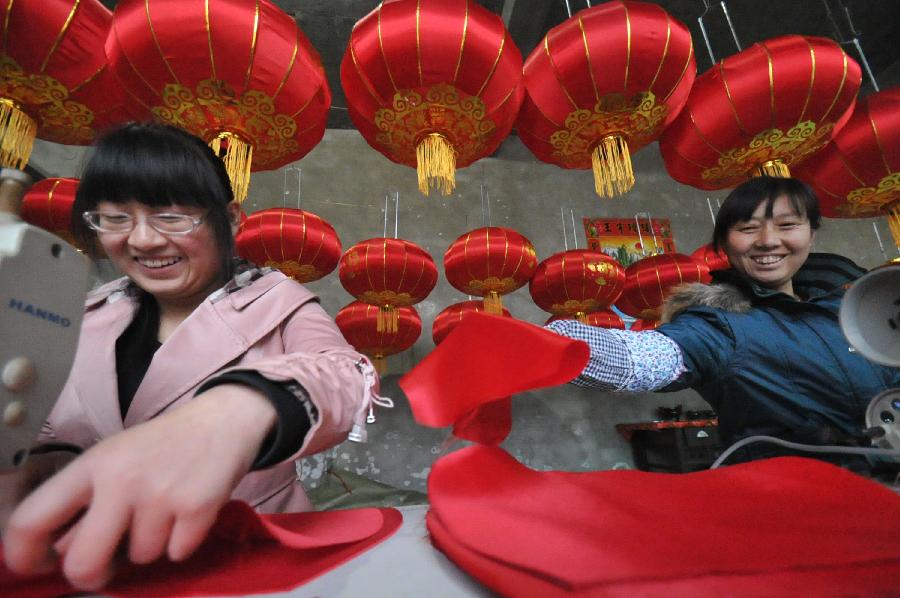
{"type": "Point", "coordinates": [483, 217]}
{"type": "Point", "coordinates": [712, 57]}
{"type": "Point", "coordinates": [842, 39]}
{"type": "Point", "coordinates": [711, 213]}
{"type": "Point", "coordinates": [574, 230]}
{"type": "Point", "coordinates": [878, 236]}
{"type": "Point", "coordinates": [385, 215]}
{"type": "Point", "coordinates": [656, 248]}
{"type": "Point", "coordinates": [299, 176]}
{"type": "Point", "coordinates": [731, 25]}
{"type": "Point", "coordinates": [588, 2]}
{"type": "Point", "coordinates": [487, 195]}
{"type": "Point", "coordinates": [396, 212]}
{"type": "Point", "coordinates": [862, 57]}
{"type": "Point", "coordinates": [568, 9]}
{"type": "Point", "coordinates": [640, 236]}
{"type": "Point", "coordinates": [562, 216]}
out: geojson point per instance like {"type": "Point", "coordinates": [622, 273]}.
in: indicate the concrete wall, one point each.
{"type": "Point", "coordinates": [345, 181]}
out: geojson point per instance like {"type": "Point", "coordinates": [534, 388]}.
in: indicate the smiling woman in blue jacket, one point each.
{"type": "Point", "coordinates": [762, 343]}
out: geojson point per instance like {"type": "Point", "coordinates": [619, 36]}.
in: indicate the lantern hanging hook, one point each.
{"type": "Point", "coordinates": [568, 9]}
{"type": "Point", "coordinates": [841, 39]}
{"type": "Point", "coordinates": [878, 237]}
{"type": "Point", "coordinates": [574, 230]}
{"type": "Point", "coordinates": [486, 219]}
{"type": "Point", "coordinates": [388, 196]}
{"type": "Point", "coordinates": [711, 213]}
{"type": "Point", "coordinates": [287, 190]}
{"type": "Point", "coordinates": [637, 216]}
{"type": "Point", "coordinates": [734, 36]}
{"type": "Point", "coordinates": [712, 57]}
{"type": "Point", "coordinates": [562, 216]}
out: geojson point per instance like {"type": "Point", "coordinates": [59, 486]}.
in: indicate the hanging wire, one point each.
{"type": "Point", "coordinates": [562, 216]}
{"type": "Point", "coordinates": [486, 218]}
{"type": "Point", "coordinates": [855, 40]}
{"type": "Point", "coordinates": [396, 213]}
{"type": "Point", "coordinates": [711, 213]}
{"type": "Point", "coordinates": [637, 223]}
{"type": "Point", "coordinates": [384, 235]}
{"type": "Point", "coordinates": [878, 236]}
{"type": "Point", "coordinates": [574, 230]}
{"type": "Point", "coordinates": [568, 9]}
{"type": "Point", "coordinates": [731, 25]}
{"type": "Point", "coordinates": [286, 190]}
{"type": "Point", "coordinates": [387, 198]}
{"type": "Point", "coordinates": [712, 57]}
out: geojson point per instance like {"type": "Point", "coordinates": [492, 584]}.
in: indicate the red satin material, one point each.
{"type": "Point", "coordinates": [245, 553]}
{"type": "Point", "coordinates": [406, 45]}
{"type": "Point", "coordinates": [358, 323]}
{"type": "Point", "coordinates": [48, 204]}
{"type": "Point", "coordinates": [604, 318]}
{"type": "Point", "coordinates": [487, 259]}
{"type": "Point", "coordinates": [860, 160]}
{"type": "Point", "coordinates": [714, 260]}
{"type": "Point", "coordinates": [484, 359]}
{"type": "Point", "coordinates": [644, 324]}
{"type": "Point", "coordinates": [173, 45]}
{"type": "Point", "coordinates": [387, 271]}
{"type": "Point", "coordinates": [452, 315]}
{"type": "Point", "coordinates": [613, 48]}
{"type": "Point", "coordinates": [813, 79]}
{"type": "Point", "coordinates": [577, 281]}
{"type": "Point", "coordinates": [648, 282]}
{"type": "Point", "coordinates": [776, 527]}
{"type": "Point", "coordinates": [37, 38]}
{"type": "Point", "coordinates": [299, 243]}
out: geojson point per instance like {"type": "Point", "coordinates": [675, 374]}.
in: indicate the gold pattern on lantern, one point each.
{"type": "Point", "coordinates": [387, 298]}
{"type": "Point", "coordinates": [789, 147]}
{"type": "Point", "coordinates": [573, 306]}
{"type": "Point", "coordinates": [295, 270]}
{"type": "Point", "coordinates": [460, 119]}
{"type": "Point", "coordinates": [61, 120]}
{"type": "Point", "coordinates": [872, 201]}
{"type": "Point", "coordinates": [491, 284]}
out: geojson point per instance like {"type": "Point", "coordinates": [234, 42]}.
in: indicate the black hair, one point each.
{"type": "Point", "coordinates": [157, 165]}
{"type": "Point", "coordinates": [746, 197]}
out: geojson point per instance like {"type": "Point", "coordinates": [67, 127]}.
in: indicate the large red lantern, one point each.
{"type": "Point", "coordinates": [433, 84]}
{"type": "Point", "coordinates": [604, 84]}
{"type": "Point", "coordinates": [761, 111]}
{"type": "Point", "coordinates": [712, 259]}
{"type": "Point", "coordinates": [650, 280]}
{"type": "Point", "coordinates": [48, 204]}
{"type": "Point", "coordinates": [240, 75]}
{"type": "Point", "coordinates": [55, 83]}
{"type": "Point", "coordinates": [576, 282]}
{"type": "Point", "coordinates": [490, 262]}
{"type": "Point", "coordinates": [358, 322]}
{"type": "Point", "coordinates": [858, 174]}
{"type": "Point", "coordinates": [299, 243]}
{"type": "Point", "coordinates": [447, 320]}
{"type": "Point", "coordinates": [604, 318]}
{"type": "Point", "coordinates": [387, 273]}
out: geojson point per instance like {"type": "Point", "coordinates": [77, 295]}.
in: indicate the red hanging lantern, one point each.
{"type": "Point", "coordinates": [639, 325]}
{"type": "Point", "coordinates": [298, 243]}
{"type": "Point", "coordinates": [761, 111]}
{"type": "Point", "coordinates": [649, 281]}
{"type": "Point", "coordinates": [604, 84]}
{"type": "Point", "coordinates": [712, 259]}
{"type": "Point", "coordinates": [858, 174]}
{"type": "Point", "coordinates": [447, 320]}
{"type": "Point", "coordinates": [604, 318]}
{"type": "Point", "coordinates": [240, 75]}
{"type": "Point", "coordinates": [433, 84]}
{"type": "Point", "coordinates": [490, 262]}
{"type": "Point", "coordinates": [54, 81]}
{"type": "Point", "coordinates": [358, 322]}
{"type": "Point", "coordinates": [387, 273]}
{"type": "Point", "coordinates": [48, 205]}
{"type": "Point", "coordinates": [577, 282]}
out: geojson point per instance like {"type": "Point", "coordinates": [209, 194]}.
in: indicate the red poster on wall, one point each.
{"type": "Point", "coordinates": [621, 238]}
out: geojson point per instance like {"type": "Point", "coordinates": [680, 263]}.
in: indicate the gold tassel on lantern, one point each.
{"type": "Point", "coordinates": [612, 167]}
{"type": "Point", "coordinates": [581, 317]}
{"type": "Point", "coordinates": [436, 164]}
{"type": "Point", "coordinates": [893, 218]}
{"type": "Point", "coordinates": [775, 168]}
{"type": "Point", "coordinates": [237, 154]}
{"type": "Point", "coordinates": [17, 133]}
{"type": "Point", "coordinates": [493, 304]}
{"type": "Point", "coordinates": [388, 320]}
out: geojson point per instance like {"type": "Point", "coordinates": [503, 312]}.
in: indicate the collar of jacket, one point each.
{"type": "Point", "coordinates": [822, 274]}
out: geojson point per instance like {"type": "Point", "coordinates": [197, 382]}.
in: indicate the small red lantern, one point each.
{"type": "Point", "coordinates": [604, 318]}
{"type": "Point", "coordinates": [447, 320]}
{"type": "Point", "coordinates": [388, 273]}
{"type": "Point", "coordinates": [712, 259]}
{"type": "Point", "coordinates": [300, 244]}
{"type": "Point", "coordinates": [240, 75]}
{"type": "Point", "coordinates": [761, 111]}
{"type": "Point", "coordinates": [858, 174]}
{"type": "Point", "coordinates": [55, 83]}
{"type": "Point", "coordinates": [490, 262]}
{"type": "Point", "coordinates": [433, 84]}
{"type": "Point", "coordinates": [649, 281]}
{"type": "Point", "coordinates": [604, 84]}
{"type": "Point", "coordinates": [358, 322]}
{"type": "Point", "coordinates": [48, 204]}
{"type": "Point", "coordinates": [577, 282]}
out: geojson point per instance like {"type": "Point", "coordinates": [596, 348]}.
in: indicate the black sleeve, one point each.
{"type": "Point", "coordinates": [293, 407]}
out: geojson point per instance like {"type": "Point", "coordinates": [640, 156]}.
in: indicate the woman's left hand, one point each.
{"type": "Point", "coordinates": [159, 484]}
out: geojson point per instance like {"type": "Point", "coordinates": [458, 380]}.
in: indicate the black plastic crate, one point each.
{"type": "Point", "coordinates": [677, 450]}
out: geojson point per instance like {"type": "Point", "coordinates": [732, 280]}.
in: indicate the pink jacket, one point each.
{"type": "Point", "coordinates": [274, 326]}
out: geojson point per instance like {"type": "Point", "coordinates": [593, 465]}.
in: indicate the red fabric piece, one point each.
{"type": "Point", "coordinates": [487, 424]}
{"type": "Point", "coordinates": [778, 527]}
{"type": "Point", "coordinates": [484, 359]}
{"type": "Point", "coordinates": [245, 553]}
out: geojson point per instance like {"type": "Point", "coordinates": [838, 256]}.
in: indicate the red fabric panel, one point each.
{"type": "Point", "coordinates": [245, 553]}
{"type": "Point", "coordinates": [486, 358]}
{"type": "Point", "coordinates": [777, 527]}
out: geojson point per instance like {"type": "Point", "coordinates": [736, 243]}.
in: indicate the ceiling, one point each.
{"type": "Point", "coordinates": [874, 23]}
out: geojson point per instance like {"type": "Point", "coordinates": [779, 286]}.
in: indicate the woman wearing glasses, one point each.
{"type": "Point", "coordinates": [196, 380]}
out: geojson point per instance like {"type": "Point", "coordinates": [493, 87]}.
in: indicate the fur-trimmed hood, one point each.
{"type": "Point", "coordinates": [722, 296]}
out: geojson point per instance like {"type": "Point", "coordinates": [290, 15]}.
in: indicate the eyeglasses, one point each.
{"type": "Point", "coordinates": [121, 222]}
